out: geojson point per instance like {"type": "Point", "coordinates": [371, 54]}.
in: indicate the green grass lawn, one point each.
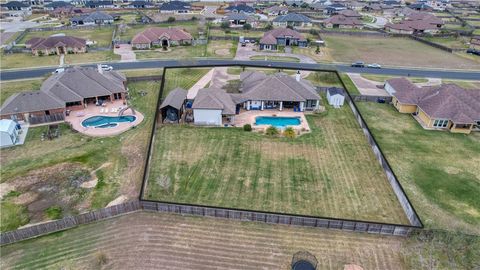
{"type": "Point", "coordinates": [437, 169]}
{"type": "Point", "coordinates": [274, 58]}
{"type": "Point", "coordinates": [322, 173]}
{"type": "Point", "coordinates": [383, 78]}
{"type": "Point", "coordinates": [24, 60]}
{"type": "Point", "coordinates": [450, 42]}
{"type": "Point", "coordinates": [324, 79]}
{"type": "Point", "coordinates": [89, 57]}
{"type": "Point", "coordinates": [57, 164]}
{"type": "Point", "coordinates": [392, 51]}
{"type": "Point", "coordinates": [236, 33]}
{"type": "Point", "coordinates": [182, 77]}
{"type": "Point", "coordinates": [183, 52]}
{"type": "Point", "coordinates": [103, 36]}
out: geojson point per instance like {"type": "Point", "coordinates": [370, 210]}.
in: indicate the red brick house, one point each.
{"type": "Point", "coordinates": [56, 45]}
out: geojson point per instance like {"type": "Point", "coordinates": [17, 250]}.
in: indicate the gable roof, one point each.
{"type": "Point", "coordinates": [154, 33]}
{"type": "Point", "coordinates": [175, 98]}
{"type": "Point", "coordinates": [335, 91]}
{"type": "Point", "coordinates": [31, 101]}
{"type": "Point", "coordinates": [214, 99]}
{"type": "Point", "coordinates": [58, 4]}
{"type": "Point", "coordinates": [349, 13]}
{"type": "Point", "coordinates": [241, 8]}
{"type": "Point", "coordinates": [271, 36]}
{"type": "Point", "coordinates": [175, 5]}
{"type": "Point", "coordinates": [56, 41]}
{"type": "Point", "coordinates": [292, 17]}
{"type": "Point", "coordinates": [15, 4]}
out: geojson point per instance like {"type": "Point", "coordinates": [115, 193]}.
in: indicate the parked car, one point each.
{"type": "Point", "coordinates": [106, 67]}
{"type": "Point", "coordinates": [243, 44]}
{"type": "Point", "coordinates": [473, 51]}
{"type": "Point", "coordinates": [374, 65]}
{"type": "Point", "coordinates": [117, 46]}
{"type": "Point", "coordinates": [58, 70]}
{"type": "Point", "coordinates": [358, 64]}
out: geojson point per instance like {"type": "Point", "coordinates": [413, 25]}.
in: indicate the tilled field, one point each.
{"type": "Point", "coordinates": [145, 240]}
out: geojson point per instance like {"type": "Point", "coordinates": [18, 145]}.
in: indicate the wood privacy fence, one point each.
{"type": "Point", "coordinates": [68, 222]}
{"type": "Point", "coordinates": [144, 78]}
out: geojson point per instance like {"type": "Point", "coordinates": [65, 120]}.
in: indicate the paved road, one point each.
{"type": "Point", "coordinates": [430, 73]}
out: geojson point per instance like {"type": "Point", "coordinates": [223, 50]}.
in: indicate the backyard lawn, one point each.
{"type": "Point", "coordinates": [392, 51]}
{"type": "Point", "coordinates": [330, 172]}
{"type": "Point", "coordinates": [44, 174]}
{"type": "Point", "coordinates": [437, 169]}
{"type": "Point", "coordinates": [103, 36]}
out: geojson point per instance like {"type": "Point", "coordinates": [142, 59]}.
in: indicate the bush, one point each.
{"type": "Point", "coordinates": [247, 127]}
{"type": "Point", "coordinates": [272, 131]}
{"type": "Point", "coordinates": [313, 32]}
{"type": "Point", "coordinates": [247, 26]}
{"type": "Point", "coordinates": [54, 212]}
{"type": "Point", "coordinates": [171, 19]}
{"type": "Point", "coordinates": [194, 18]}
{"type": "Point", "coordinates": [225, 25]}
{"type": "Point", "coordinates": [101, 258]}
{"type": "Point", "coordinates": [269, 27]}
{"type": "Point", "coordinates": [289, 132]}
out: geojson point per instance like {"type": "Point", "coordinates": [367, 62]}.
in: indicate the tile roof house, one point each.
{"type": "Point", "coordinates": [292, 19]}
{"type": "Point", "coordinates": [96, 17]}
{"type": "Point", "coordinates": [334, 8]}
{"type": "Point", "coordinates": [416, 22]}
{"type": "Point", "coordinates": [56, 45]}
{"type": "Point", "coordinates": [175, 7]}
{"type": "Point", "coordinates": [161, 37]}
{"type": "Point", "coordinates": [70, 90]}
{"type": "Point", "coordinates": [211, 105]}
{"type": "Point", "coordinates": [240, 8]}
{"type": "Point", "coordinates": [282, 37]}
{"type": "Point", "coordinates": [340, 21]}
{"type": "Point", "coordinates": [445, 107]}
{"type": "Point", "coordinates": [141, 4]}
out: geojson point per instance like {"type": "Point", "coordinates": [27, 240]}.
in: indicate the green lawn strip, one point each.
{"type": "Point", "coordinates": [12, 216]}
{"type": "Point", "coordinates": [383, 78]}
{"type": "Point", "coordinates": [274, 58]}
{"type": "Point", "coordinates": [26, 60]}
{"type": "Point", "coordinates": [228, 167]}
{"type": "Point", "coordinates": [464, 84]}
{"type": "Point", "coordinates": [91, 57]}
{"type": "Point", "coordinates": [351, 88]}
{"type": "Point", "coordinates": [418, 158]}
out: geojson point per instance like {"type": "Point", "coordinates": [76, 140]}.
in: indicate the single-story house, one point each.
{"type": "Point", "coordinates": [240, 8]}
{"type": "Point", "coordinates": [340, 21]}
{"type": "Point", "coordinates": [239, 19]}
{"type": "Point", "coordinates": [57, 4]}
{"type": "Point", "coordinates": [141, 4]}
{"type": "Point", "coordinates": [292, 19]}
{"type": "Point", "coordinates": [334, 8]}
{"type": "Point", "coordinates": [173, 106]}
{"type": "Point", "coordinates": [444, 107]}
{"type": "Point", "coordinates": [350, 13]}
{"type": "Point", "coordinates": [276, 10]}
{"type": "Point", "coordinates": [71, 90]}
{"type": "Point", "coordinates": [175, 7]}
{"type": "Point", "coordinates": [16, 5]}
{"type": "Point", "coordinates": [100, 4]}
{"type": "Point", "coordinates": [211, 105]}
{"type": "Point", "coordinates": [282, 37]}
{"type": "Point", "coordinates": [162, 37]}
{"type": "Point", "coordinates": [335, 96]}
{"type": "Point", "coordinates": [8, 133]}
{"type": "Point", "coordinates": [439, 4]}
{"type": "Point", "coordinates": [420, 6]}
{"type": "Point", "coordinates": [56, 45]}
{"type": "Point", "coordinates": [96, 17]}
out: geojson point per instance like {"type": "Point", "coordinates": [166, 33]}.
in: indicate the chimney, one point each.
{"type": "Point", "coordinates": [297, 76]}
{"type": "Point", "coordinates": [100, 70]}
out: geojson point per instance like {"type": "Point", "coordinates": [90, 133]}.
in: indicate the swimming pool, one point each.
{"type": "Point", "coordinates": [101, 121]}
{"type": "Point", "coordinates": [277, 121]}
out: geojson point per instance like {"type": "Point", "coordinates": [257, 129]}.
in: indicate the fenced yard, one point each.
{"type": "Point", "coordinates": [330, 172]}
{"type": "Point", "coordinates": [103, 36]}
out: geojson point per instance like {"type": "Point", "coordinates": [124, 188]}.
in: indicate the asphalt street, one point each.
{"type": "Point", "coordinates": [413, 72]}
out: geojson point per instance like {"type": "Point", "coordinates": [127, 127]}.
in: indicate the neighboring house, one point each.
{"type": "Point", "coordinates": [99, 4]}
{"type": "Point", "coordinates": [93, 18]}
{"type": "Point", "coordinates": [239, 19]}
{"type": "Point", "coordinates": [276, 10]}
{"type": "Point", "coordinates": [175, 7]}
{"type": "Point", "coordinates": [173, 106]}
{"type": "Point", "coordinates": [340, 21]}
{"type": "Point", "coordinates": [350, 13]}
{"type": "Point", "coordinates": [16, 5]}
{"type": "Point", "coordinates": [282, 37]}
{"type": "Point", "coordinates": [292, 19]}
{"type": "Point", "coordinates": [416, 22]}
{"type": "Point", "coordinates": [240, 8]}
{"type": "Point", "coordinates": [475, 42]}
{"type": "Point", "coordinates": [56, 45]}
{"type": "Point", "coordinates": [420, 7]}
{"type": "Point", "coordinates": [141, 4]}
{"type": "Point", "coordinates": [439, 4]}
{"type": "Point", "coordinates": [335, 96]}
{"type": "Point", "coordinates": [318, 6]}
{"type": "Point", "coordinates": [9, 134]}
{"type": "Point", "coordinates": [334, 8]}
{"type": "Point", "coordinates": [57, 4]}
{"type": "Point", "coordinates": [445, 107]}
{"type": "Point", "coordinates": [61, 93]}
{"type": "Point", "coordinates": [161, 37]}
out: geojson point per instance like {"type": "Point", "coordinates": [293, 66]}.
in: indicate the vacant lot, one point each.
{"type": "Point", "coordinates": [102, 36]}
{"type": "Point", "coordinates": [392, 51]}
{"type": "Point", "coordinates": [329, 172]}
{"type": "Point", "coordinates": [147, 240]}
{"type": "Point", "coordinates": [43, 179]}
{"type": "Point", "coordinates": [438, 169]}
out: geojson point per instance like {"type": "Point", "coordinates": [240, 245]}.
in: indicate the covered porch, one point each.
{"type": "Point", "coordinates": [296, 106]}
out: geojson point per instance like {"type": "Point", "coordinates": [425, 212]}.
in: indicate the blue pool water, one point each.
{"type": "Point", "coordinates": [101, 121]}
{"type": "Point", "coordinates": [277, 121]}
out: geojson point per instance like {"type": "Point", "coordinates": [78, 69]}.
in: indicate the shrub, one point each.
{"type": "Point", "coordinates": [101, 258]}
{"type": "Point", "coordinates": [313, 32]}
{"type": "Point", "coordinates": [247, 127]}
{"type": "Point", "coordinates": [225, 25]}
{"type": "Point", "coordinates": [272, 131]}
{"type": "Point", "coordinates": [289, 132]}
{"type": "Point", "coordinates": [54, 212]}
{"type": "Point", "coordinates": [171, 19]}
{"type": "Point", "coordinates": [247, 26]}
{"type": "Point", "coordinates": [193, 18]}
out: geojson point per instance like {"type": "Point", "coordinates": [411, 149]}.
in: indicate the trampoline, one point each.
{"type": "Point", "coordinates": [304, 260]}
{"type": "Point", "coordinates": [303, 265]}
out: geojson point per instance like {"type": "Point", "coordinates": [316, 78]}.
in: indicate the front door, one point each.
{"type": "Point", "coordinates": [287, 42]}
{"type": "Point", "coordinates": [164, 43]}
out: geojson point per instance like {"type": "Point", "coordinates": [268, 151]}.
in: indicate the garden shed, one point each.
{"type": "Point", "coordinates": [8, 133]}
{"type": "Point", "coordinates": [335, 96]}
{"type": "Point", "coordinates": [173, 106]}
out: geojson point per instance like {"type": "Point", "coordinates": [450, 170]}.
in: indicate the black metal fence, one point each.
{"type": "Point", "coordinates": [380, 99]}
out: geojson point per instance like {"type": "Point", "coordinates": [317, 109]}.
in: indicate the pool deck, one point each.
{"type": "Point", "coordinates": [76, 118]}
{"type": "Point", "coordinates": [248, 117]}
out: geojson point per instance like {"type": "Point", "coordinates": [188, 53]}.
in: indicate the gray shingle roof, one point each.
{"type": "Point", "coordinates": [271, 36]}
{"type": "Point", "coordinates": [292, 17]}
{"type": "Point", "coordinates": [175, 98]}
{"type": "Point", "coordinates": [30, 102]}
{"type": "Point", "coordinates": [214, 99]}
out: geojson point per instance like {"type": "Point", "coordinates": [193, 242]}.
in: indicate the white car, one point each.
{"type": "Point", "coordinates": [374, 65]}
{"type": "Point", "coordinates": [58, 70]}
{"type": "Point", "coordinates": [106, 67]}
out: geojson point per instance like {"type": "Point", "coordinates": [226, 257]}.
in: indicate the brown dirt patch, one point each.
{"type": "Point", "coordinates": [222, 52]}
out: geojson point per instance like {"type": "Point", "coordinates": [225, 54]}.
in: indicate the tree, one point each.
{"type": "Point", "coordinates": [247, 26]}
{"type": "Point", "coordinates": [225, 25]}
{"type": "Point", "coordinates": [272, 131]}
{"type": "Point", "coordinates": [193, 18]}
{"type": "Point", "coordinates": [269, 27]}
{"type": "Point", "coordinates": [317, 50]}
{"type": "Point", "coordinates": [247, 127]}
{"type": "Point", "coordinates": [171, 19]}
{"type": "Point", "coordinates": [304, 5]}
{"type": "Point", "coordinates": [289, 132]}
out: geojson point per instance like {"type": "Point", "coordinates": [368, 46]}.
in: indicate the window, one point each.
{"type": "Point", "coordinates": [440, 123]}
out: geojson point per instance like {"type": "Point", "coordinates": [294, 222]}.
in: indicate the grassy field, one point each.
{"type": "Point", "coordinates": [451, 42]}
{"type": "Point", "coordinates": [330, 172]}
{"type": "Point", "coordinates": [392, 51]}
{"type": "Point", "coordinates": [103, 36]}
{"type": "Point", "coordinates": [47, 173]}
{"type": "Point", "coordinates": [274, 58]}
{"type": "Point", "coordinates": [329, 79]}
{"type": "Point", "coordinates": [236, 33]}
{"type": "Point", "coordinates": [100, 56]}
{"type": "Point", "coordinates": [383, 78]}
{"type": "Point", "coordinates": [443, 187]}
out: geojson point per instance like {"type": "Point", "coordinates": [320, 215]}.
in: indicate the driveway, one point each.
{"type": "Point", "coordinates": [126, 53]}
{"type": "Point", "coordinates": [367, 87]}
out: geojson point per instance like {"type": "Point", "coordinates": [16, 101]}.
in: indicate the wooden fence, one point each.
{"type": "Point", "coordinates": [144, 78]}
